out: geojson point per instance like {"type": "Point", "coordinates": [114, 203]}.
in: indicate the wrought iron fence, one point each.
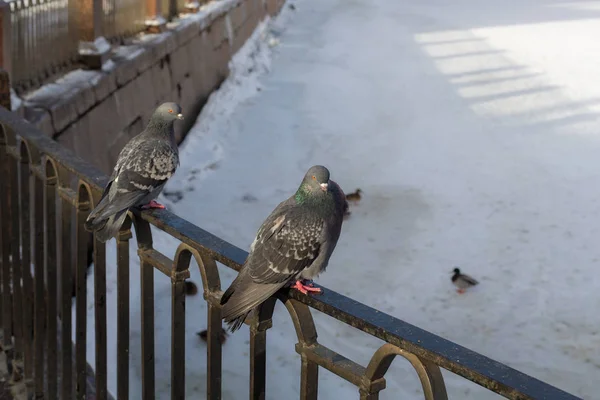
{"type": "Point", "coordinates": [46, 195]}
{"type": "Point", "coordinates": [42, 43]}
{"type": "Point", "coordinates": [123, 18]}
{"type": "Point", "coordinates": [43, 36]}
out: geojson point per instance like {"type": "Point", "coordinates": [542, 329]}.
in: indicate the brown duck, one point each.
{"type": "Point", "coordinates": [354, 196]}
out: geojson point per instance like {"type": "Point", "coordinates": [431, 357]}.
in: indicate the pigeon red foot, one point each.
{"type": "Point", "coordinates": [460, 291]}
{"type": "Point", "coordinates": [305, 288]}
{"type": "Point", "coordinates": [153, 204]}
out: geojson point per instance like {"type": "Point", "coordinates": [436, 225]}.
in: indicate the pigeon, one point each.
{"type": "Point", "coordinates": [142, 169]}
{"type": "Point", "coordinates": [355, 196]}
{"type": "Point", "coordinates": [292, 246]}
{"type": "Point", "coordinates": [462, 281]}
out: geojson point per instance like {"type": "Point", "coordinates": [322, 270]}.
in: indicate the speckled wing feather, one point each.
{"type": "Point", "coordinates": [143, 168]}
{"type": "Point", "coordinates": [140, 174]}
{"type": "Point", "coordinates": [287, 243]}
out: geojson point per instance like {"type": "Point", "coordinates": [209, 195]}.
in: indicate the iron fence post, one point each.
{"type": "Point", "coordinates": [155, 22]}
{"type": "Point", "coordinates": [5, 89]}
{"type": "Point", "coordinates": [86, 17]}
{"type": "Point", "coordinates": [5, 39]}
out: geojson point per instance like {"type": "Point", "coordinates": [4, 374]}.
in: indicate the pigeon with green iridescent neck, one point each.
{"type": "Point", "coordinates": [142, 170]}
{"type": "Point", "coordinates": [292, 246]}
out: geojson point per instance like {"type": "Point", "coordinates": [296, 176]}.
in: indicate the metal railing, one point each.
{"type": "Point", "coordinates": [42, 43]}
{"type": "Point", "coordinates": [40, 175]}
{"type": "Point", "coordinates": [123, 18]}
{"type": "Point", "coordinates": [40, 38]}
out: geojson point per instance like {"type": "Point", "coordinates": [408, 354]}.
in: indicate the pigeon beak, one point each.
{"type": "Point", "coordinates": [179, 116]}
{"type": "Point", "coordinates": [323, 186]}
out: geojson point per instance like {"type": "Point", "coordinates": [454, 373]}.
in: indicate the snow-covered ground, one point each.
{"type": "Point", "coordinates": [473, 129]}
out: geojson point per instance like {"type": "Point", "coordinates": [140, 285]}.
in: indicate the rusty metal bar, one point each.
{"type": "Point", "coordinates": [6, 43]}
{"type": "Point", "coordinates": [3, 256]}
{"type": "Point", "coordinates": [332, 361]}
{"type": "Point", "coordinates": [214, 351]}
{"type": "Point", "coordinates": [309, 378]}
{"type": "Point", "coordinates": [100, 318]}
{"type": "Point", "coordinates": [123, 314]}
{"type": "Point", "coordinates": [258, 359]}
{"type": "Point", "coordinates": [178, 338]}
{"type": "Point", "coordinates": [147, 297]}
{"type": "Point", "coordinates": [155, 21]}
{"type": "Point", "coordinates": [212, 294]}
{"type": "Point", "coordinates": [89, 22]}
{"type": "Point", "coordinates": [40, 290]}
{"type": "Point", "coordinates": [66, 297]}
{"type": "Point", "coordinates": [147, 255]}
{"type": "Point", "coordinates": [51, 277]}
{"type": "Point", "coordinates": [157, 260]}
{"type": "Point", "coordinates": [123, 18]}
{"type": "Point", "coordinates": [81, 242]}
{"type": "Point", "coordinates": [5, 248]}
{"type": "Point", "coordinates": [5, 100]}
{"type": "Point", "coordinates": [13, 176]}
{"type": "Point", "coordinates": [172, 12]}
{"type": "Point", "coordinates": [25, 216]}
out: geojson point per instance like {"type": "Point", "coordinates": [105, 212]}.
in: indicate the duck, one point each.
{"type": "Point", "coordinates": [462, 281]}
{"type": "Point", "coordinates": [354, 196]}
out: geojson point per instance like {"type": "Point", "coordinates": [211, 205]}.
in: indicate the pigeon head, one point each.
{"type": "Point", "coordinates": [456, 271]}
{"type": "Point", "coordinates": [316, 179]}
{"type": "Point", "coordinates": [168, 112]}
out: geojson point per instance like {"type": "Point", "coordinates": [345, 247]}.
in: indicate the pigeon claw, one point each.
{"type": "Point", "coordinates": [305, 288]}
{"type": "Point", "coordinates": [153, 204]}
{"type": "Point", "coordinates": [460, 291]}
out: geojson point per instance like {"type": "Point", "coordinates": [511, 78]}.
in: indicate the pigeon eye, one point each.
{"type": "Point", "coordinates": [314, 178]}
{"type": "Point", "coordinates": [171, 111]}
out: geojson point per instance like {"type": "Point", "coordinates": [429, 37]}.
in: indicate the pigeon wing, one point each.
{"type": "Point", "coordinates": [285, 245]}
{"type": "Point", "coordinates": [144, 170]}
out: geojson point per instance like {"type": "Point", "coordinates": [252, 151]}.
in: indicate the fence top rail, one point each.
{"type": "Point", "coordinates": [473, 366]}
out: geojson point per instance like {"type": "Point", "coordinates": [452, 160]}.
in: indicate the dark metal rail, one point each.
{"type": "Point", "coordinates": [46, 195]}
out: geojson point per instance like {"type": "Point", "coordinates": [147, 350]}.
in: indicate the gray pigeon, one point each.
{"type": "Point", "coordinates": [293, 245]}
{"type": "Point", "coordinates": [143, 167]}
{"type": "Point", "coordinates": [462, 281]}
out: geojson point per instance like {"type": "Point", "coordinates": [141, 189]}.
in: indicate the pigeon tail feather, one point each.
{"type": "Point", "coordinates": [111, 226]}
{"type": "Point", "coordinates": [239, 304]}
{"type": "Point", "coordinates": [236, 323]}
{"type": "Point", "coordinates": [227, 295]}
{"type": "Point", "coordinates": [93, 224]}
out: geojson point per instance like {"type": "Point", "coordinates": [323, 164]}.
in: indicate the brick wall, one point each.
{"type": "Point", "coordinates": [95, 113]}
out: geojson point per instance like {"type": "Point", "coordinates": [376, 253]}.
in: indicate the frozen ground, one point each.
{"type": "Point", "coordinates": [472, 128]}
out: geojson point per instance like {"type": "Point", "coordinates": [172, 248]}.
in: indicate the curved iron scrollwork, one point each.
{"type": "Point", "coordinates": [429, 373]}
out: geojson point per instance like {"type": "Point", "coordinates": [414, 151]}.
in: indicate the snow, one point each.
{"type": "Point", "coordinates": [15, 101]}
{"type": "Point", "coordinates": [99, 46]}
{"type": "Point", "coordinates": [472, 128]}
{"type": "Point", "coordinates": [156, 21]}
